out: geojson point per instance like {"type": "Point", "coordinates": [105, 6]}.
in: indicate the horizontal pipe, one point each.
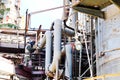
{"type": "Point", "coordinates": [67, 31]}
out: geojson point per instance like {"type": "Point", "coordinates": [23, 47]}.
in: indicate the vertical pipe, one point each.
{"type": "Point", "coordinates": [57, 43]}
{"type": "Point", "coordinates": [48, 49]}
{"type": "Point", "coordinates": [65, 10]}
{"type": "Point", "coordinates": [26, 26]}
{"type": "Point", "coordinates": [18, 38]}
{"type": "Point", "coordinates": [91, 44]}
{"type": "Point", "coordinates": [74, 19]}
{"type": "Point", "coordinates": [80, 62]}
{"type": "Point", "coordinates": [57, 47]}
{"type": "Point", "coordinates": [68, 62]}
{"type": "Point", "coordinates": [74, 25]}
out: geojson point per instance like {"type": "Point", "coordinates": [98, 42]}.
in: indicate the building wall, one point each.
{"type": "Point", "coordinates": [13, 14]}
{"type": "Point", "coordinates": [108, 41]}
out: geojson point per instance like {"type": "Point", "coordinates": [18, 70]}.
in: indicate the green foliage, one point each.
{"type": "Point", "coordinates": [8, 9]}
{"type": "Point", "coordinates": [2, 11]}
{"type": "Point", "coordinates": [9, 25]}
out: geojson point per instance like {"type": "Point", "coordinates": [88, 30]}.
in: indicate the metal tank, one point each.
{"type": "Point", "coordinates": [108, 44]}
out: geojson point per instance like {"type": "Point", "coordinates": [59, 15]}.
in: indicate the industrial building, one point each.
{"type": "Point", "coordinates": [82, 45]}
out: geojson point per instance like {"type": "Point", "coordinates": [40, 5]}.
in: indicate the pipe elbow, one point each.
{"type": "Point", "coordinates": [49, 74]}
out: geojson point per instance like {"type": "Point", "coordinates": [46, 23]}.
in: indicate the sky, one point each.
{"type": "Point", "coordinates": [46, 18]}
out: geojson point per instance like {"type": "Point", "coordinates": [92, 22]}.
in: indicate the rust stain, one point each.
{"type": "Point", "coordinates": [115, 30]}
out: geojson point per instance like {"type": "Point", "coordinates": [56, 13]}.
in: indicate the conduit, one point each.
{"type": "Point", "coordinates": [48, 49]}
{"type": "Point", "coordinates": [65, 10]}
{"type": "Point", "coordinates": [57, 47]}
{"type": "Point", "coordinates": [68, 62]}
{"type": "Point", "coordinates": [67, 31]}
{"type": "Point", "coordinates": [42, 42]}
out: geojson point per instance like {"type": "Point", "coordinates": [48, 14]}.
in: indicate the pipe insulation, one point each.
{"type": "Point", "coordinates": [57, 46]}
{"type": "Point", "coordinates": [67, 31]}
{"type": "Point", "coordinates": [42, 42]}
{"type": "Point", "coordinates": [65, 9]}
{"type": "Point", "coordinates": [68, 62]}
{"type": "Point", "coordinates": [48, 50]}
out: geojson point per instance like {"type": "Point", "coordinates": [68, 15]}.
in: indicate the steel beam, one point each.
{"type": "Point", "coordinates": [116, 2]}
{"type": "Point", "coordinates": [91, 11]}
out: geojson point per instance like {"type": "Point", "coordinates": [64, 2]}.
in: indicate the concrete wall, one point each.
{"type": "Point", "coordinates": [108, 41]}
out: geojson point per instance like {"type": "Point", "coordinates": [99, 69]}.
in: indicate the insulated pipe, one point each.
{"type": "Point", "coordinates": [42, 42]}
{"type": "Point", "coordinates": [57, 47]}
{"type": "Point", "coordinates": [65, 9]}
{"type": "Point", "coordinates": [67, 31]}
{"type": "Point", "coordinates": [48, 49]}
{"type": "Point", "coordinates": [68, 62]}
{"type": "Point", "coordinates": [74, 20]}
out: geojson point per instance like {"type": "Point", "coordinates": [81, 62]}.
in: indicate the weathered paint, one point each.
{"type": "Point", "coordinates": [107, 39]}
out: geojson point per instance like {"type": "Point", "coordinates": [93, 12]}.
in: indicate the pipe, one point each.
{"type": "Point", "coordinates": [57, 48]}
{"type": "Point", "coordinates": [74, 20]}
{"type": "Point", "coordinates": [48, 49]}
{"type": "Point", "coordinates": [80, 63]}
{"type": "Point", "coordinates": [65, 10]}
{"type": "Point", "coordinates": [67, 31]}
{"type": "Point", "coordinates": [68, 62]}
{"type": "Point", "coordinates": [42, 42]}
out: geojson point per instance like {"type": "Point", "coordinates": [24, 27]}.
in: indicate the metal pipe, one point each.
{"type": "Point", "coordinates": [74, 25]}
{"type": "Point", "coordinates": [80, 63]}
{"type": "Point", "coordinates": [91, 45]}
{"type": "Point", "coordinates": [67, 31]}
{"type": "Point", "coordinates": [42, 42]}
{"type": "Point", "coordinates": [68, 62]}
{"type": "Point", "coordinates": [26, 26]}
{"type": "Point", "coordinates": [65, 10]}
{"type": "Point", "coordinates": [48, 49]}
{"type": "Point", "coordinates": [74, 22]}
{"type": "Point", "coordinates": [57, 47]}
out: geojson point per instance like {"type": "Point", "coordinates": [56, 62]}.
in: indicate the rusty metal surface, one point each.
{"type": "Point", "coordinates": [107, 40]}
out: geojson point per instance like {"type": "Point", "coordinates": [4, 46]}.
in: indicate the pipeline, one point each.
{"type": "Point", "coordinates": [60, 27]}
{"type": "Point", "coordinates": [48, 49]}
{"type": "Point", "coordinates": [68, 62]}
{"type": "Point", "coordinates": [42, 42]}
{"type": "Point", "coordinates": [57, 50]}
{"type": "Point", "coordinates": [57, 47]}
